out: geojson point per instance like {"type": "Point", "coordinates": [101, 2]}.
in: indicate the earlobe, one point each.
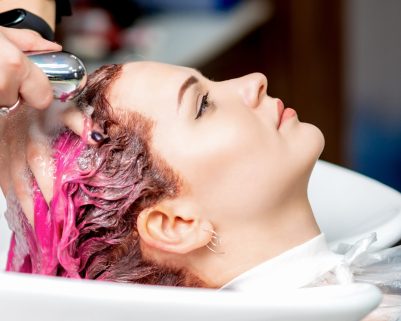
{"type": "Point", "coordinates": [162, 229]}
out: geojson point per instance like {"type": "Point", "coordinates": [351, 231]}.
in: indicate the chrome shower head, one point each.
{"type": "Point", "coordinates": [66, 72]}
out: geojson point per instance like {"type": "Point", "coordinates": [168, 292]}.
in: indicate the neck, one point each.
{"type": "Point", "coordinates": [284, 228]}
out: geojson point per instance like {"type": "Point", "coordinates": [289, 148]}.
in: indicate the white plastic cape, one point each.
{"type": "Point", "coordinates": [381, 268]}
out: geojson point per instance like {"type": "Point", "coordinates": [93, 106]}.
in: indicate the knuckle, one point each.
{"type": "Point", "coordinates": [30, 42]}
{"type": "Point", "coordinates": [30, 36]}
{"type": "Point", "coordinates": [32, 33]}
{"type": "Point", "coordinates": [15, 61]}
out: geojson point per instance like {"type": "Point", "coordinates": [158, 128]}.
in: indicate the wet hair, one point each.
{"type": "Point", "coordinates": [98, 194]}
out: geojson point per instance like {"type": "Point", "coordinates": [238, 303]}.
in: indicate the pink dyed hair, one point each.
{"type": "Point", "coordinates": [99, 192]}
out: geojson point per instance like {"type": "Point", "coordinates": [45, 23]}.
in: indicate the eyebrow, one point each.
{"type": "Point", "coordinates": [186, 84]}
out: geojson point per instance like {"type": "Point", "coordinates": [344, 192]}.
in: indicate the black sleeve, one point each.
{"type": "Point", "coordinates": [63, 8]}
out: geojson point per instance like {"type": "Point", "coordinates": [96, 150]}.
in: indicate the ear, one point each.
{"type": "Point", "coordinates": [165, 230]}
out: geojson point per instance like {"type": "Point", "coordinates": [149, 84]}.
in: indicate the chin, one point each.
{"type": "Point", "coordinates": [318, 138]}
{"type": "Point", "coordinates": [309, 146]}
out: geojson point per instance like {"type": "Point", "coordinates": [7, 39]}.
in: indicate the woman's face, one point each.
{"type": "Point", "coordinates": [239, 155]}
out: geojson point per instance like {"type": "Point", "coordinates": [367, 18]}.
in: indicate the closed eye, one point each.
{"type": "Point", "coordinates": [203, 106]}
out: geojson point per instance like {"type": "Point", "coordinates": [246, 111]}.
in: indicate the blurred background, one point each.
{"type": "Point", "coordinates": [337, 62]}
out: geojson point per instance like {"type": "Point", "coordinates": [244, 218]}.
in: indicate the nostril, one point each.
{"type": "Point", "coordinates": [262, 90]}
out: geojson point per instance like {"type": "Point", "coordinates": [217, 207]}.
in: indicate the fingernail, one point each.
{"type": "Point", "coordinates": [97, 137]}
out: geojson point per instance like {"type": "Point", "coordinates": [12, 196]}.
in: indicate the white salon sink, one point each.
{"type": "Point", "coordinates": [347, 205]}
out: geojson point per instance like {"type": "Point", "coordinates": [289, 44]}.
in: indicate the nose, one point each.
{"type": "Point", "coordinates": [253, 88]}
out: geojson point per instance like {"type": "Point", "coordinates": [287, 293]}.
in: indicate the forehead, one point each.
{"type": "Point", "coordinates": [145, 86]}
{"type": "Point", "coordinates": [148, 70]}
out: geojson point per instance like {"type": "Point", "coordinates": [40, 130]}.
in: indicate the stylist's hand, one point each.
{"type": "Point", "coordinates": [19, 77]}
{"type": "Point", "coordinates": [26, 151]}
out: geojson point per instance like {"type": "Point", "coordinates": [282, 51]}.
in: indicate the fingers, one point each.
{"type": "Point", "coordinates": [83, 126]}
{"type": "Point", "coordinates": [11, 61]}
{"type": "Point", "coordinates": [39, 157]}
{"type": "Point", "coordinates": [39, 151]}
{"type": "Point", "coordinates": [35, 88]}
{"type": "Point", "coordinates": [15, 177]}
{"type": "Point", "coordinates": [18, 75]}
{"type": "Point", "coordinates": [31, 154]}
{"type": "Point", "coordinates": [21, 181]}
{"type": "Point", "coordinates": [28, 40]}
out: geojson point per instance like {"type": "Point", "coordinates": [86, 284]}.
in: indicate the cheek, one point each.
{"type": "Point", "coordinates": [241, 186]}
{"type": "Point", "coordinates": [229, 168]}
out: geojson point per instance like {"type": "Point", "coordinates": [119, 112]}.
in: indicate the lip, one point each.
{"type": "Point", "coordinates": [283, 113]}
{"type": "Point", "coordinates": [280, 111]}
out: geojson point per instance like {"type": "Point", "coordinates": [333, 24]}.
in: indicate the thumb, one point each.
{"type": "Point", "coordinates": [28, 40]}
{"type": "Point", "coordinates": [83, 126]}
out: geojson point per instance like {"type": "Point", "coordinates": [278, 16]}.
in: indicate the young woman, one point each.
{"type": "Point", "coordinates": [195, 183]}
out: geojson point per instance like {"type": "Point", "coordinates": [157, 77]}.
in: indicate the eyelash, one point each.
{"type": "Point", "coordinates": [203, 106]}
